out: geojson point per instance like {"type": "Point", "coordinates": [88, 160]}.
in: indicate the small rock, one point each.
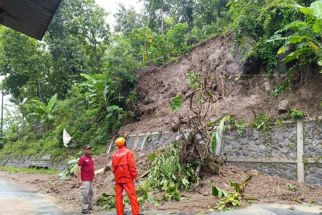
{"type": "Point", "coordinates": [206, 194]}
{"type": "Point", "coordinates": [175, 124]}
{"type": "Point", "coordinates": [292, 208]}
{"type": "Point", "coordinates": [172, 94]}
{"type": "Point", "coordinates": [108, 168]}
{"type": "Point", "coordinates": [267, 86]}
{"type": "Point", "coordinates": [283, 106]}
{"type": "Point", "coordinates": [147, 101]}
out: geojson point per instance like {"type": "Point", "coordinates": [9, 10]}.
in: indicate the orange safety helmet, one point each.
{"type": "Point", "coordinates": [120, 141]}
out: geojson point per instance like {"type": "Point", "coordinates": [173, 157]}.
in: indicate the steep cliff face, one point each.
{"type": "Point", "coordinates": [238, 94]}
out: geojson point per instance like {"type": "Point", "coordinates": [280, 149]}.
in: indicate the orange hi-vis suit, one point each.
{"type": "Point", "coordinates": [124, 170]}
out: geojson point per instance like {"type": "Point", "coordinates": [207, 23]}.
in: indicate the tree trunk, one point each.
{"type": "Point", "coordinates": [162, 22]}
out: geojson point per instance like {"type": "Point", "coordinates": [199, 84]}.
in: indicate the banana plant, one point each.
{"type": "Point", "coordinates": [97, 89]}
{"type": "Point", "coordinates": [42, 110]}
{"type": "Point", "coordinates": [305, 36]}
{"type": "Point", "coordinates": [70, 170]}
{"type": "Point", "coordinates": [102, 93]}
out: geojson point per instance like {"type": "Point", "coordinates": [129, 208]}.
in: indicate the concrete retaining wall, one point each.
{"type": "Point", "coordinates": [148, 142]}
{"type": "Point", "coordinates": [26, 162]}
{"type": "Point", "coordinates": [280, 143]}
{"type": "Point", "coordinates": [292, 150]}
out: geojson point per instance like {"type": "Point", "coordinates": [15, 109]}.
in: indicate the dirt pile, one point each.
{"type": "Point", "coordinates": [239, 94]}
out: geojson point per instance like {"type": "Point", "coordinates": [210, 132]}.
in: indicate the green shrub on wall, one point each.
{"type": "Point", "coordinates": [262, 122]}
{"type": "Point", "coordinates": [296, 114]}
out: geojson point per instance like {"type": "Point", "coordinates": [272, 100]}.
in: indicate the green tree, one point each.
{"type": "Point", "coordinates": [127, 20]}
{"type": "Point", "coordinates": [142, 41]}
{"type": "Point", "coordinates": [259, 20]}
{"type": "Point", "coordinates": [303, 40]}
{"type": "Point", "coordinates": [121, 66]}
{"type": "Point", "coordinates": [19, 116]}
{"type": "Point", "coordinates": [178, 39]}
{"type": "Point", "coordinates": [156, 11]}
{"type": "Point", "coordinates": [207, 12]}
{"type": "Point", "coordinates": [183, 11]}
{"type": "Point", "coordinates": [25, 63]}
{"type": "Point", "coordinates": [180, 11]}
{"type": "Point", "coordinates": [75, 43]}
{"type": "Point", "coordinates": [77, 39]}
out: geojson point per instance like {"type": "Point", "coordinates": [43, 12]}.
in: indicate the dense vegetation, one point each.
{"type": "Point", "coordinates": [82, 76]}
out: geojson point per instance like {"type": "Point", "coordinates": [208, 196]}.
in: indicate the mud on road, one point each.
{"type": "Point", "coordinates": [266, 189]}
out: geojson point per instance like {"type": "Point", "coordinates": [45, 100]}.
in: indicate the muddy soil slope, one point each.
{"type": "Point", "coordinates": [239, 94]}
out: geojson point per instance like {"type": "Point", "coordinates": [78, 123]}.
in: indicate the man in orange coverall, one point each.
{"type": "Point", "coordinates": [124, 170]}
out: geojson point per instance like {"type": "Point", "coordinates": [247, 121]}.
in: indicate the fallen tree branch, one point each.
{"type": "Point", "coordinates": [194, 187]}
{"type": "Point", "coordinates": [103, 170]}
{"type": "Point", "coordinates": [145, 174]}
{"type": "Point", "coordinates": [222, 177]}
{"type": "Point", "coordinates": [246, 181]}
{"type": "Point", "coordinates": [250, 198]}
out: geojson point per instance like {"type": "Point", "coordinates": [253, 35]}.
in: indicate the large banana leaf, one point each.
{"type": "Point", "coordinates": [87, 77]}
{"type": "Point", "coordinates": [296, 25]}
{"type": "Point", "coordinates": [52, 102]}
{"type": "Point", "coordinates": [38, 106]}
{"type": "Point", "coordinates": [296, 54]}
{"type": "Point", "coordinates": [317, 9]}
{"type": "Point", "coordinates": [306, 11]}
{"type": "Point", "coordinates": [298, 39]}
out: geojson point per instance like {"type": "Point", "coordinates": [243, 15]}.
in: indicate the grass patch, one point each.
{"type": "Point", "coordinates": [38, 148]}
{"type": "Point", "coordinates": [29, 170]}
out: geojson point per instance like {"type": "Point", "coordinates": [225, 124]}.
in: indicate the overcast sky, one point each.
{"type": "Point", "coordinates": [111, 7]}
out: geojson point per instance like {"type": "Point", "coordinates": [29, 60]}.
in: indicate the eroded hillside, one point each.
{"type": "Point", "coordinates": [238, 94]}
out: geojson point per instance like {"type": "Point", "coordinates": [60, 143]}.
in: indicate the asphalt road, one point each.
{"type": "Point", "coordinates": [257, 209]}
{"type": "Point", "coordinates": [275, 209]}
{"type": "Point", "coordinates": [15, 201]}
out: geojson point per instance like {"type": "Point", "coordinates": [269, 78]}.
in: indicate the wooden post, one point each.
{"type": "Point", "coordinates": [300, 151]}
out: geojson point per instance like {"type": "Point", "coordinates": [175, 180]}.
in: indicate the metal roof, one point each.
{"type": "Point", "coordinates": [30, 17]}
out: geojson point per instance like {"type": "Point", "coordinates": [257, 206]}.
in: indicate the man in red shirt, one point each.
{"type": "Point", "coordinates": [86, 175]}
{"type": "Point", "coordinates": [124, 170]}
